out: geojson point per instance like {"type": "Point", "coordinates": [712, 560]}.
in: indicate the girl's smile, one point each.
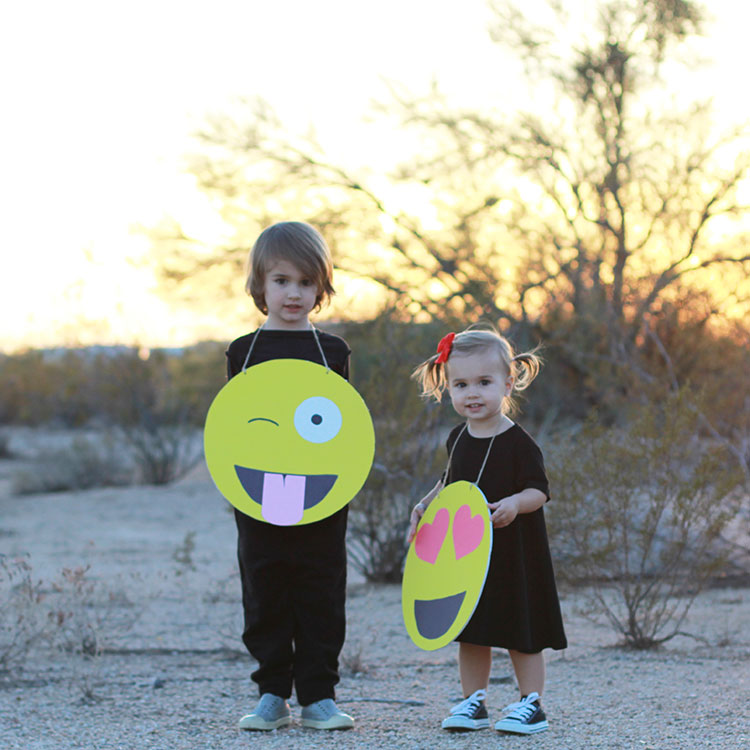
{"type": "Point", "coordinates": [478, 384]}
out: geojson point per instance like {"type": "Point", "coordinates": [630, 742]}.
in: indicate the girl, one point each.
{"type": "Point", "coordinates": [518, 609]}
{"type": "Point", "coordinates": [293, 577]}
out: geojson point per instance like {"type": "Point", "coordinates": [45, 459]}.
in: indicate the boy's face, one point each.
{"type": "Point", "coordinates": [290, 296]}
{"type": "Point", "coordinates": [478, 383]}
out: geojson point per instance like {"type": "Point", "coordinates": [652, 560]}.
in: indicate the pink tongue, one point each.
{"type": "Point", "coordinates": [283, 498]}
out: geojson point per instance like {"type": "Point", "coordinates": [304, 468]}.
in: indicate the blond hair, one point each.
{"type": "Point", "coordinates": [301, 245]}
{"type": "Point", "coordinates": [522, 367]}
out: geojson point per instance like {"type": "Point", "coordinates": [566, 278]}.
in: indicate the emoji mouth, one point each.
{"type": "Point", "coordinates": [435, 616]}
{"type": "Point", "coordinates": [284, 497]}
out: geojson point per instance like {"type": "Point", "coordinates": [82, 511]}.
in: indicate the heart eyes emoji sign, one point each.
{"type": "Point", "coordinates": [446, 566]}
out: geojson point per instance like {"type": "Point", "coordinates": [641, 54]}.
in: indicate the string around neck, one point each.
{"type": "Point", "coordinates": [257, 334]}
{"type": "Point", "coordinates": [486, 455]}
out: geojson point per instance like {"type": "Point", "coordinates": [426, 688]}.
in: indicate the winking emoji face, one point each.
{"type": "Point", "coordinates": [446, 566]}
{"type": "Point", "coordinates": [288, 442]}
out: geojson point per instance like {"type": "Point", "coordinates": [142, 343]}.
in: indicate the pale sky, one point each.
{"type": "Point", "coordinates": [99, 100]}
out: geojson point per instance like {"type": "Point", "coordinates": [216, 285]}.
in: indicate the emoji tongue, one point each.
{"type": "Point", "coordinates": [283, 498]}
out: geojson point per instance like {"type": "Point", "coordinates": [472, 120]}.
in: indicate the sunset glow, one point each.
{"type": "Point", "coordinates": [103, 100]}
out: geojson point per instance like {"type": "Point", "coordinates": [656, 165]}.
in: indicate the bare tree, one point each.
{"type": "Point", "coordinates": [578, 222]}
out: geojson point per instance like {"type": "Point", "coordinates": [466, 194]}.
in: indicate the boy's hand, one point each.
{"type": "Point", "coordinates": [504, 512]}
{"type": "Point", "coordinates": [416, 515]}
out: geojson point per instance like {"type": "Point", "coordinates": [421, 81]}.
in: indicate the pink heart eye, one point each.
{"type": "Point", "coordinates": [430, 537]}
{"type": "Point", "coordinates": [467, 531]}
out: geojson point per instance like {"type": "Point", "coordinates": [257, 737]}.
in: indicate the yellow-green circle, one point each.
{"type": "Point", "coordinates": [251, 425]}
{"type": "Point", "coordinates": [431, 587]}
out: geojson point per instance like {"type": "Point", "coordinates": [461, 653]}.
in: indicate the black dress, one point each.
{"type": "Point", "coordinates": [519, 608]}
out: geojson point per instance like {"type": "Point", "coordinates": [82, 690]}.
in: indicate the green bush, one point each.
{"type": "Point", "coordinates": [152, 416]}
{"type": "Point", "coordinates": [637, 516]}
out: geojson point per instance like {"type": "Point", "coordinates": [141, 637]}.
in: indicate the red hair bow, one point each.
{"type": "Point", "coordinates": [444, 348]}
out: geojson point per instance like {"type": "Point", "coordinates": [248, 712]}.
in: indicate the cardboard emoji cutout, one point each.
{"type": "Point", "coordinates": [446, 566]}
{"type": "Point", "coordinates": [288, 442]}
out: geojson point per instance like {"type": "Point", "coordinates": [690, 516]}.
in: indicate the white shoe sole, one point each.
{"type": "Point", "coordinates": [464, 723]}
{"type": "Point", "coordinates": [258, 724]}
{"type": "Point", "coordinates": [335, 722]}
{"type": "Point", "coordinates": [515, 727]}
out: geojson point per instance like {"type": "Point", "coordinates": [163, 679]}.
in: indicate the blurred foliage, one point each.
{"type": "Point", "coordinates": [75, 387]}
{"type": "Point", "coordinates": [638, 513]}
{"type": "Point", "coordinates": [407, 439]}
{"type": "Point", "coordinates": [86, 463]}
{"type": "Point", "coordinates": [119, 388]}
{"type": "Point", "coordinates": [73, 612]}
{"type": "Point", "coordinates": [5, 449]}
{"type": "Point", "coordinates": [149, 406]}
{"type": "Point", "coordinates": [639, 487]}
{"type": "Point", "coordinates": [592, 225]}
{"type": "Point", "coordinates": [23, 622]}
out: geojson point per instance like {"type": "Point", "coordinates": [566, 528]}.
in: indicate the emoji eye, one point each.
{"type": "Point", "coordinates": [317, 419]}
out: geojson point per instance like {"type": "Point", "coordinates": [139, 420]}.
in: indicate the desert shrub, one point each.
{"type": "Point", "coordinates": [23, 620]}
{"type": "Point", "coordinates": [86, 463]}
{"type": "Point", "coordinates": [407, 461]}
{"type": "Point", "coordinates": [163, 452]}
{"type": "Point", "coordinates": [150, 417]}
{"type": "Point", "coordinates": [43, 387]}
{"type": "Point", "coordinates": [637, 515]}
{"type": "Point", "coordinates": [5, 449]}
{"type": "Point", "coordinates": [74, 612]}
{"type": "Point", "coordinates": [86, 614]}
{"type": "Point", "coordinates": [404, 469]}
{"type": "Point", "coordinates": [196, 376]}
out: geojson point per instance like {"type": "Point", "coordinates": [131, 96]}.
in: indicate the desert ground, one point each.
{"type": "Point", "coordinates": [151, 593]}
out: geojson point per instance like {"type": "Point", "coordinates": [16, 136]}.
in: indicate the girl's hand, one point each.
{"type": "Point", "coordinates": [416, 515]}
{"type": "Point", "coordinates": [420, 508]}
{"type": "Point", "coordinates": [504, 511]}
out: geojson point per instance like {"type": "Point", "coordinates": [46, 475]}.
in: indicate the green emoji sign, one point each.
{"type": "Point", "coordinates": [288, 442]}
{"type": "Point", "coordinates": [446, 566]}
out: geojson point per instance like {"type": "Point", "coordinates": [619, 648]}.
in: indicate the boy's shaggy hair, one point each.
{"type": "Point", "coordinates": [301, 245]}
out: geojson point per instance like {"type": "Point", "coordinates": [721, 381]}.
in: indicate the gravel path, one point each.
{"type": "Point", "coordinates": [164, 602]}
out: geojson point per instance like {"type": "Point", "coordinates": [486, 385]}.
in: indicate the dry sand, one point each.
{"type": "Point", "coordinates": [173, 674]}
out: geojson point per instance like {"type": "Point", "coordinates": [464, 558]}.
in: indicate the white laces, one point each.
{"type": "Point", "coordinates": [524, 708]}
{"type": "Point", "coordinates": [469, 705]}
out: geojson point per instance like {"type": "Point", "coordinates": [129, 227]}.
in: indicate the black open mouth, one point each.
{"type": "Point", "coordinates": [317, 486]}
{"type": "Point", "coordinates": [435, 616]}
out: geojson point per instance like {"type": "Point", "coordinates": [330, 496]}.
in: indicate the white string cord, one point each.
{"type": "Point", "coordinates": [255, 338]}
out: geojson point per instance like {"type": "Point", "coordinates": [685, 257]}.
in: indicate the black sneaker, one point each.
{"type": "Point", "coordinates": [469, 714]}
{"type": "Point", "coordinates": [524, 717]}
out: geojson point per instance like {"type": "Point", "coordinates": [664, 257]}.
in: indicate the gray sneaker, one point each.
{"type": "Point", "coordinates": [271, 712]}
{"type": "Point", "coordinates": [325, 714]}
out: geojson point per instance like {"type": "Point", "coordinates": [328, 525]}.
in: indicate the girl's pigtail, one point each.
{"type": "Point", "coordinates": [431, 377]}
{"type": "Point", "coordinates": [527, 366]}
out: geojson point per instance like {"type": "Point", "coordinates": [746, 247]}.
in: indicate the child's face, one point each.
{"type": "Point", "coordinates": [477, 384]}
{"type": "Point", "coordinates": [290, 296]}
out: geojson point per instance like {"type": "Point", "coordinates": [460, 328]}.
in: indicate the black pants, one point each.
{"type": "Point", "coordinates": [293, 596]}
